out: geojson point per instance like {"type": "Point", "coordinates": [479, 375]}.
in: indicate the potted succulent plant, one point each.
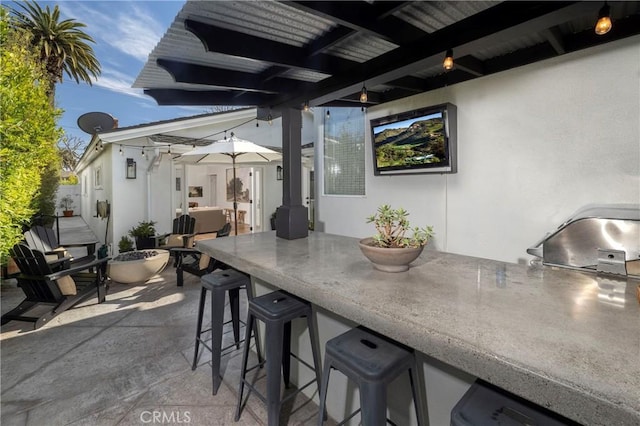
{"type": "Point", "coordinates": [396, 244]}
{"type": "Point", "coordinates": [66, 203]}
{"type": "Point", "coordinates": [144, 234]}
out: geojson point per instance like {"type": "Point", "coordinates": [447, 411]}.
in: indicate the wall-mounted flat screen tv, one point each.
{"type": "Point", "coordinates": [418, 141]}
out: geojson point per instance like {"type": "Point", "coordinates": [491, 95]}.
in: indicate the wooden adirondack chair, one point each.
{"type": "Point", "coordinates": [190, 260]}
{"type": "Point", "coordinates": [181, 235]}
{"type": "Point", "coordinates": [44, 240]}
{"type": "Point", "coordinates": [48, 292]}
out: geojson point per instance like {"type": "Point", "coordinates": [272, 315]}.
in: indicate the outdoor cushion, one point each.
{"type": "Point", "coordinates": [67, 286]}
{"type": "Point", "coordinates": [204, 261]}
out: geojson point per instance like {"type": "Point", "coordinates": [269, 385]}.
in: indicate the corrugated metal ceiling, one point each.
{"type": "Point", "coordinates": [334, 46]}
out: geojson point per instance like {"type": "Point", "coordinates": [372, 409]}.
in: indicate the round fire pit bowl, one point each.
{"type": "Point", "coordinates": [137, 266]}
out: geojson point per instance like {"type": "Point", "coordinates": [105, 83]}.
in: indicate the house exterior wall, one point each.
{"type": "Point", "coordinates": [94, 189]}
{"type": "Point", "coordinates": [130, 199]}
{"type": "Point", "coordinates": [535, 144]}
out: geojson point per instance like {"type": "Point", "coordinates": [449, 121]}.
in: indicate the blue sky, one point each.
{"type": "Point", "coordinates": [125, 32]}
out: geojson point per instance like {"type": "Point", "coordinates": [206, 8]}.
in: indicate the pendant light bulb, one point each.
{"type": "Point", "coordinates": [270, 119]}
{"type": "Point", "coordinates": [363, 94]}
{"type": "Point", "coordinates": [328, 114]}
{"type": "Point", "coordinates": [604, 25]}
{"type": "Point", "coordinates": [120, 150]}
{"type": "Point", "coordinates": [306, 106]}
{"type": "Point", "coordinates": [169, 150]}
{"type": "Point", "coordinates": [447, 64]}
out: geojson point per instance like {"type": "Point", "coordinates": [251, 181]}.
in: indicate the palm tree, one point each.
{"type": "Point", "coordinates": [62, 45]}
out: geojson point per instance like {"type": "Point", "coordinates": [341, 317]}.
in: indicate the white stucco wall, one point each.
{"type": "Point", "coordinates": [130, 199]}
{"type": "Point", "coordinates": [534, 145]}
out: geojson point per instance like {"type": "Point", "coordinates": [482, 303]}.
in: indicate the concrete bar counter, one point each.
{"type": "Point", "coordinates": [566, 340]}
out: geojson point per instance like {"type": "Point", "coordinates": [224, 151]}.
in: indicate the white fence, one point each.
{"type": "Point", "coordinates": [74, 192]}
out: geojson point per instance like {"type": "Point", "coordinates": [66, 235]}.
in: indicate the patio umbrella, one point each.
{"type": "Point", "coordinates": [233, 150]}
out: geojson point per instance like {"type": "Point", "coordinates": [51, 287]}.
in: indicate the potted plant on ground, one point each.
{"type": "Point", "coordinates": [272, 220]}
{"type": "Point", "coordinates": [66, 203]}
{"type": "Point", "coordinates": [144, 234]}
{"type": "Point", "coordinates": [125, 244]}
{"type": "Point", "coordinates": [396, 244]}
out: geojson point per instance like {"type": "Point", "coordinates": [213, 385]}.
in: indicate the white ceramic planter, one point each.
{"type": "Point", "coordinates": [137, 271]}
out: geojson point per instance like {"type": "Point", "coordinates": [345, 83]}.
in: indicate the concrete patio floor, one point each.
{"type": "Point", "coordinates": [123, 362]}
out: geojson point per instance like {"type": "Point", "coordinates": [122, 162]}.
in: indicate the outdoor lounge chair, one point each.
{"type": "Point", "coordinates": [194, 262]}
{"type": "Point", "coordinates": [182, 234]}
{"type": "Point", "coordinates": [44, 240]}
{"type": "Point", "coordinates": [48, 292]}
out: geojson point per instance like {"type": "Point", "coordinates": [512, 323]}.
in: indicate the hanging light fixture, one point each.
{"type": "Point", "coordinates": [120, 150]}
{"type": "Point", "coordinates": [169, 150]}
{"type": "Point", "coordinates": [447, 64]}
{"type": "Point", "coordinates": [142, 152]}
{"type": "Point", "coordinates": [363, 94]}
{"type": "Point", "coordinates": [305, 108]}
{"type": "Point", "coordinates": [603, 25]}
{"type": "Point", "coordinates": [328, 114]}
{"type": "Point", "coordinates": [270, 119]}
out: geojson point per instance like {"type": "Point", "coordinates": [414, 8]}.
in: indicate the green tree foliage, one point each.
{"type": "Point", "coordinates": [27, 133]}
{"type": "Point", "coordinates": [62, 45]}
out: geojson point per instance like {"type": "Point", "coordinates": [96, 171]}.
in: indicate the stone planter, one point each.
{"type": "Point", "coordinates": [389, 259]}
{"type": "Point", "coordinates": [139, 270]}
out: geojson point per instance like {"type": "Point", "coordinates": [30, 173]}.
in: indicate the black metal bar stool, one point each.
{"type": "Point", "coordinates": [217, 283]}
{"type": "Point", "coordinates": [372, 362]}
{"type": "Point", "coordinates": [276, 310]}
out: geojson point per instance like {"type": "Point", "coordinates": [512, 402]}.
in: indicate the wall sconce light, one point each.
{"type": "Point", "coordinates": [603, 25]}
{"type": "Point", "coordinates": [447, 64]}
{"type": "Point", "coordinates": [131, 168]}
{"type": "Point", "coordinates": [279, 173]}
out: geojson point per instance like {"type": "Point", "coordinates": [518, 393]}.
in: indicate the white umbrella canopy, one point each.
{"type": "Point", "coordinates": [230, 151]}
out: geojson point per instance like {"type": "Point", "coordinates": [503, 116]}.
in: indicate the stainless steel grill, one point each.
{"type": "Point", "coordinates": [600, 238]}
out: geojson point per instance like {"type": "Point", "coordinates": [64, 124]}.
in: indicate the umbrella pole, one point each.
{"type": "Point", "coordinates": [235, 202]}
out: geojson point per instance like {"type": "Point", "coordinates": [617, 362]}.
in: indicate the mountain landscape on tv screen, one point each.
{"type": "Point", "coordinates": [420, 144]}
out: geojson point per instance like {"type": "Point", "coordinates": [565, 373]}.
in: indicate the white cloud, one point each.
{"type": "Point", "coordinates": [118, 82]}
{"type": "Point", "coordinates": [125, 26]}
